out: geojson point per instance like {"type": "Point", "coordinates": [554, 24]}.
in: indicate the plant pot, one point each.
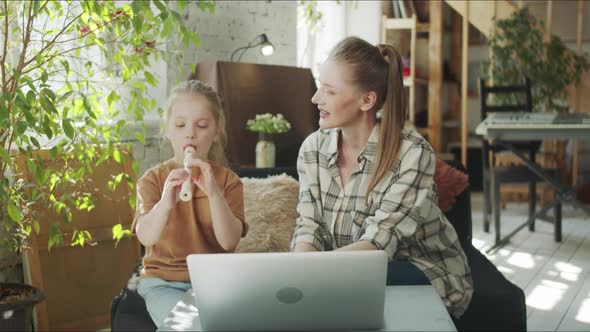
{"type": "Point", "coordinates": [265, 151]}
{"type": "Point", "coordinates": [17, 314]}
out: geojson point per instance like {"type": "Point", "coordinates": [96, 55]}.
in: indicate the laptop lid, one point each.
{"type": "Point", "coordinates": [289, 291]}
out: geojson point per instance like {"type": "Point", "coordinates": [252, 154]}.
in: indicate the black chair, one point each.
{"type": "Point", "coordinates": [519, 99]}
{"type": "Point", "coordinates": [128, 309]}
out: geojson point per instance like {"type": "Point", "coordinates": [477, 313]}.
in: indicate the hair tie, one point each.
{"type": "Point", "coordinates": [383, 51]}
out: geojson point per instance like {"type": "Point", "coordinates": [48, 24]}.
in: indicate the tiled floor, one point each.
{"type": "Point", "coordinates": [554, 276]}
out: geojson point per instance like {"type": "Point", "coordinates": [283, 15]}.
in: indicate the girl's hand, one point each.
{"type": "Point", "coordinates": [205, 180]}
{"type": "Point", "coordinates": [172, 187]}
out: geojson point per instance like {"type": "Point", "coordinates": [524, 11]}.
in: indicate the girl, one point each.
{"type": "Point", "coordinates": [366, 183]}
{"type": "Point", "coordinates": [211, 222]}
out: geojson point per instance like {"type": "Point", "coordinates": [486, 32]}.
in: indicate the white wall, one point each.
{"type": "Point", "coordinates": [314, 46]}
{"type": "Point", "coordinates": [363, 20]}
{"type": "Point", "coordinates": [340, 20]}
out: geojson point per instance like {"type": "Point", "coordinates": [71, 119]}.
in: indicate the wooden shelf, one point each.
{"type": "Point", "coordinates": [445, 156]}
{"type": "Point", "coordinates": [417, 95]}
{"type": "Point", "coordinates": [417, 80]}
{"type": "Point", "coordinates": [451, 124]}
{"type": "Point", "coordinates": [423, 131]}
{"type": "Point", "coordinates": [472, 142]}
{"type": "Point", "coordinates": [405, 23]}
{"type": "Point", "coordinates": [413, 26]}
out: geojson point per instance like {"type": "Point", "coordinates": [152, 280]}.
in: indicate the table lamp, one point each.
{"type": "Point", "coordinates": [266, 48]}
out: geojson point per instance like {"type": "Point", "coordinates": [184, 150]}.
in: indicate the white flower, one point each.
{"type": "Point", "coordinates": [268, 124]}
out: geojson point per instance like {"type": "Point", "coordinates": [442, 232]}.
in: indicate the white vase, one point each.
{"type": "Point", "coordinates": [265, 151]}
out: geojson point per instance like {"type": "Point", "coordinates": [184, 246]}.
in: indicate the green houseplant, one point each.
{"type": "Point", "coordinates": [517, 49]}
{"type": "Point", "coordinates": [74, 76]}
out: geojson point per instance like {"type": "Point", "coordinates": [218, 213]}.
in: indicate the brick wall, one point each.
{"type": "Point", "coordinates": [233, 24]}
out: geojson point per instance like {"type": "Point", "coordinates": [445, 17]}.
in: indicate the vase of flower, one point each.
{"type": "Point", "coordinates": [266, 125]}
{"type": "Point", "coordinates": [265, 151]}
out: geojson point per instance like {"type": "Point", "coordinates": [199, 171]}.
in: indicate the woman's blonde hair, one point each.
{"type": "Point", "coordinates": [378, 69]}
{"type": "Point", "coordinates": [216, 152]}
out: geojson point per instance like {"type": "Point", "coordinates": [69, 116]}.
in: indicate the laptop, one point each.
{"type": "Point", "coordinates": [289, 291]}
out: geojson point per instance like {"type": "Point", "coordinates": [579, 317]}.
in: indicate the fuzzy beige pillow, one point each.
{"type": "Point", "coordinates": [270, 210]}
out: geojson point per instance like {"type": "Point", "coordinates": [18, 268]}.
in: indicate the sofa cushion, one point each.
{"type": "Point", "coordinates": [460, 213]}
{"type": "Point", "coordinates": [450, 183]}
{"type": "Point", "coordinates": [270, 209]}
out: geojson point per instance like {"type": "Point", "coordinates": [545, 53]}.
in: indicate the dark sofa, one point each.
{"type": "Point", "coordinates": [497, 304]}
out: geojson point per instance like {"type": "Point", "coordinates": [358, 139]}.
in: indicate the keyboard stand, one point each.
{"type": "Point", "coordinates": [563, 194]}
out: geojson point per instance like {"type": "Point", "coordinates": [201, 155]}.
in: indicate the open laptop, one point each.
{"type": "Point", "coordinates": [289, 291]}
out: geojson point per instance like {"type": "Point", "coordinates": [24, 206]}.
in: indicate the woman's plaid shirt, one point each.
{"type": "Point", "coordinates": [400, 216]}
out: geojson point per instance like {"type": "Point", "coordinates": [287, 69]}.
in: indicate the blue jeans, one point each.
{"type": "Point", "coordinates": [401, 273]}
{"type": "Point", "coordinates": [161, 296]}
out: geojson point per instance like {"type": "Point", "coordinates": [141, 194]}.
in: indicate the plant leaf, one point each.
{"type": "Point", "coordinates": [14, 212]}
{"type": "Point", "coordinates": [56, 237]}
{"type": "Point", "coordinates": [5, 156]}
{"type": "Point", "coordinates": [117, 156]}
{"type": "Point", "coordinates": [68, 128]}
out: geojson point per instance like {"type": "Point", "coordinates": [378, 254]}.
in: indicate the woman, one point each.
{"type": "Point", "coordinates": [366, 182]}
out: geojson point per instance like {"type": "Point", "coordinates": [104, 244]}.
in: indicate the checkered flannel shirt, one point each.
{"type": "Point", "coordinates": [400, 216]}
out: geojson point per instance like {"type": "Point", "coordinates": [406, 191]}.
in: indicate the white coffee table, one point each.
{"type": "Point", "coordinates": [407, 308]}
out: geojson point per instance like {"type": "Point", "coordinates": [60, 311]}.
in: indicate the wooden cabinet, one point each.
{"type": "Point", "coordinates": [80, 282]}
{"type": "Point", "coordinates": [247, 89]}
{"type": "Point", "coordinates": [412, 82]}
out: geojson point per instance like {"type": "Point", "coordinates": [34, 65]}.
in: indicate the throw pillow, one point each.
{"type": "Point", "coordinates": [270, 210]}
{"type": "Point", "coordinates": [450, 182]}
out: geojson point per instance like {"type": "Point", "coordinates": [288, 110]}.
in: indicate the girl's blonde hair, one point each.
{"type": "Point", "coordinates": [378, 69]}
{"type": "Point", "coordinates": [216, 152]}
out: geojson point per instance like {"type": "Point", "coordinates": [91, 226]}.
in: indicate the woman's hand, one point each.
{"type": "Point", "coordinates": [206, 179]}
{"type": "Point", "coordinates": [304, 247]}
{"type": "Point", "coordinates": [172, 187]}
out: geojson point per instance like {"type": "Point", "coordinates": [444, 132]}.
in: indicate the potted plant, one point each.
{"type": "Point", "coordinates": [73, 77]}
{"type": "Point", "coordinates": [517, 50]}
{"type": "Point", "coordinates": [267, 125]}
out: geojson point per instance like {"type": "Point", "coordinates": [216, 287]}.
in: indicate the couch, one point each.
{"type": "Point", "coordinates": [497, 304]}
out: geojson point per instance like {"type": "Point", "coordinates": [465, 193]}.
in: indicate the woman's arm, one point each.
{"type": "Point", "coordinates": [399, 210]}
{"type": "Point", "coordinates": [303, 247]}
{"type": "Point", "coordinates": [359, 245]}
{"type": "Point", "coordinates": [308, 231]}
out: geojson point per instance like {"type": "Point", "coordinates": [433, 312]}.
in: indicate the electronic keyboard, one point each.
{"type": "Point", "coordinates": [515, 126]}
